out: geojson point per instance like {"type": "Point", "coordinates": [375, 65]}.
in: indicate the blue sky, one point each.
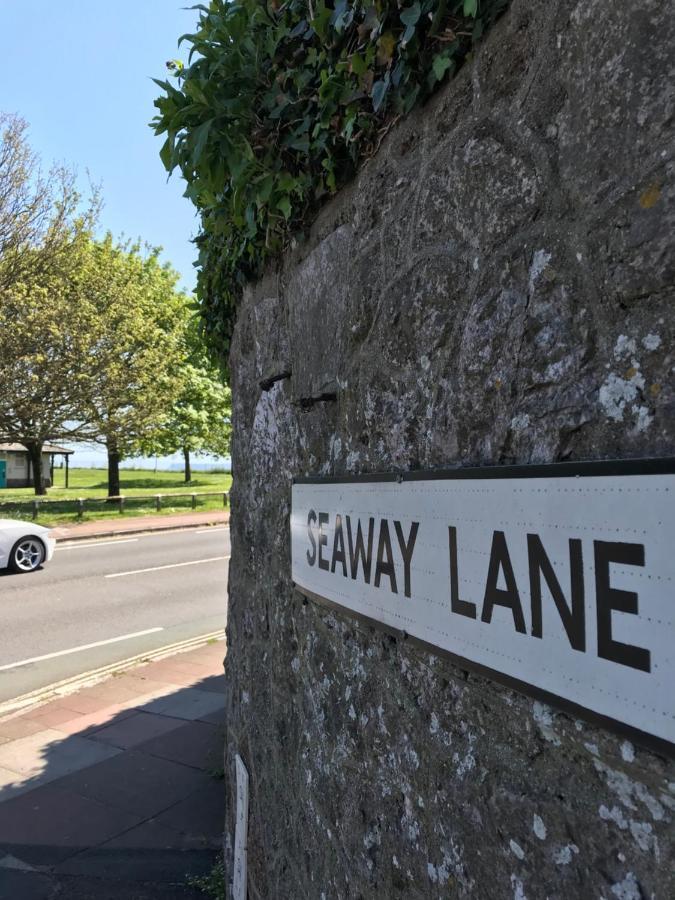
{"type": "Point", "coordinates": [79, 71]}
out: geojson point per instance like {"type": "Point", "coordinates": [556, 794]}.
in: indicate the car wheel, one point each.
{"type": "Point", "coordinates": [27, 555]}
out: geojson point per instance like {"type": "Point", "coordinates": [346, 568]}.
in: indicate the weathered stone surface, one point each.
{"type": "Point", "coordinates": [495, 287]}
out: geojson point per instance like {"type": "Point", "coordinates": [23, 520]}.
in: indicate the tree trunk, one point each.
{"type": "Point", "coordinates": [188, 471]}
{"type": "Point", "coordinates": [34, 449]}
{"type": "Point", "coordinates": [113, 469]}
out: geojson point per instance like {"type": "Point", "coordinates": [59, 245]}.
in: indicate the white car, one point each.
{"type": "Point", "coordinates": [24, 546]}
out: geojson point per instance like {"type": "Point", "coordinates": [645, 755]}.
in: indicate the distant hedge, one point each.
{"type": "Point", "coordinates": [279, 104]}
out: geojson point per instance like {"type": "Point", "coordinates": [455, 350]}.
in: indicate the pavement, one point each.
{"type": "Point", "coordinates": [116, 790]}
{"type": "Point", "coordinates": [138, 524]}
{"type": "Point", "coordinates": [99, 602]}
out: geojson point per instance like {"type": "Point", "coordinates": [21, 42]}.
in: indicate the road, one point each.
{"type": "Point", "coordinates": [127, 595]}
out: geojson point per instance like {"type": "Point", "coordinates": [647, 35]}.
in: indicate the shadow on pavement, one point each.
{"type": "Point", "coordinates": [102, 797]}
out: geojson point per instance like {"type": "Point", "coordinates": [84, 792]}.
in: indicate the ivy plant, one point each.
{"type": "Point", "coordinates": [279, 103]}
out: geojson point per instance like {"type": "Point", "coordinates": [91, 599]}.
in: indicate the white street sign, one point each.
{"type": "Point", "coordinates": [558, 583]}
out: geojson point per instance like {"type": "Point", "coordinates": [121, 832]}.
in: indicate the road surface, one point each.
{"type": "Point", "coordinates": [125, 595]}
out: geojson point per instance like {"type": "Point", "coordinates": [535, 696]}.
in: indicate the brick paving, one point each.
{"type": "Point", "coordinates": [113, 791]}
{"type": "Point", "coordinates": [139, 524]}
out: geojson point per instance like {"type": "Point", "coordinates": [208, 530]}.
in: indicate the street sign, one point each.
{"type": "Point", "coordinates": [557, 580]}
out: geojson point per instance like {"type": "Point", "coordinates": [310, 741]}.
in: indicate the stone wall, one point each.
{"type": "Point", "coordinates": [495, 287]}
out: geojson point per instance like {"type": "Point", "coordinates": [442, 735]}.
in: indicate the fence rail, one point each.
{"type": "Point", "coordinates": [79, 505]}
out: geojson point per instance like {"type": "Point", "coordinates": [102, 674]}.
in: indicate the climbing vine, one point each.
{"type": "Point", "coordinates": [278, 104]}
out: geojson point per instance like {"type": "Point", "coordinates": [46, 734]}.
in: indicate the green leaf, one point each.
{"type": "Point", "coordinates": [200, 136]}
{"type": "Point", "coordinates": [278, 106]}
{"type": "Point", "coordinates": [358, 64]}
{"type": "Point", "coordinates": [166, 153]}
{"type": "Point", "coordinates": [385, 48]}
{"type": "Point", "coordinates": [411, 15]}
{"type": "Point", "coordinates": [408, 35]}
{"type": "Point", "coordinates": [440, 65]}
{"type": "Point", "coordinates": [378, 94]}
{"type": "Point", "coordinates": [250, 220]}
{"type": "Point", "coordinates": [284, 206]}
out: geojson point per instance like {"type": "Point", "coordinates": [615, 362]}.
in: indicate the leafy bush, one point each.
{"type": "Point", "coordinates": [213, 884]}
{"type": "Point", "coordinates": [280, 103]}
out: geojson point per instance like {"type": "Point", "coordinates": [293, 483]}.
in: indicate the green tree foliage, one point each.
{"type": "Point", "coordinates": [199, 421]}
{"type": "Point", "coordinates": [44, 328]}
{"type": "Point", "coordinates": [40, 213]}
{"type": "Point", "coordinates": [279, 104]}
{"type": "Point", "coordinates": [136, 349]}
{"type": "Point", "coordinates": [96, 341]}
{"type": "Point", "coordinates": [45, 377]}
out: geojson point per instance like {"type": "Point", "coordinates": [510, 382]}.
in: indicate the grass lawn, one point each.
{"type": "Point", "coordinates": [90, 484]}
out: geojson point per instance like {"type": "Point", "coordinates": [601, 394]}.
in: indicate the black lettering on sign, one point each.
{"type": "Point", "coordinates": [385, 560]}
{"type": "Point", "coordinates": [359, 551]}
{"type": "Point", "coordinates": [323, 539]}
{"type": "Point", "coordinates": [494, 596]}
{"type": "Point", "coordinates": [407, 548]}
{"type": "Point", "coordinates": [608, 599]}
{"type": "Point", "coordinates": [573, 618]}
{"type": "Point", "coordinates": [339, 547]}
{"type": "Point", "coordinates": [463, 607]}
{"type": "Point", "coordinates": [311, 555]}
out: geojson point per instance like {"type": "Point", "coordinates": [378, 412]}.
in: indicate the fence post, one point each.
{"type": "Point", "coordinates": [36, 506]}
{"type": "Point", "coordinates": [121, 504]}
{"type": "Point", "coordinates": [225, 498]}
{"type": "Point", "coordinates": [158, 502]}
{"type": "Point", "coordinates": [80, 507]}
{"type": "Point", "coordinates": [194, 501]}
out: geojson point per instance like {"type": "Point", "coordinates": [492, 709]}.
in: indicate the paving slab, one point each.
{"type": "Point", "coordinates": [136, 782]}
{"type": "Point", "coordinates": [109, 793]}
{"type": "Point", "coordinates": [45, 757]}
{"type": "Point", "coordinates": [19, 884]}
{"type": "Point", "coordinates": [52, 715]}
{"type": "Point", "coordinates": [215, 718]}
{"type": "Point", "coordinates": [20, 727]}
{"type": "Point", "coordinates": [83, 703]}
{"type": "Point", "coordinates": [89, 723]}
{"type": "Point", "coordinates": [52, 824]}
{"type": "Point", "coordinates": [78, 888]}
{"type": "Point", "coordinates": [197, 744]}
{"type": "Point", "coordinates": [199, 816]}
{"type": "Point", "coordinates": [135, 729]}
{"type": "Point", "coordinates": [189, 703]}
{"type": "Point", "coordinates": [214, 683]}
{"type": "Point", "coordinates": [152, 835]}
{"type": "Point", "coordinates": [173, 866]}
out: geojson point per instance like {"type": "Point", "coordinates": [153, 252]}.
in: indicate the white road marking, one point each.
{"type": "Point", "coordinates": [212, 529]}
{"type": "Point", "coordinates": [79, 546]}
{"type": "Point", "coordinates": [123, 637]}
{"type": "Point", "coordinates": [194, 562]}
{"type": "Point", "coordinates": [171, 532]}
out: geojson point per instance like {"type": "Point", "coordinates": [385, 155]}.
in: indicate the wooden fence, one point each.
{"type": "Point", "coordinates": [82, 504]}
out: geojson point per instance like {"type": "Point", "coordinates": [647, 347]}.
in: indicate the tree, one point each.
{"type": "Point", "coordinates": [38, 213]}
{"type": "Point", "coordinates": [45, 341]}
{"type": "Point", "coordinates": [137, 353]}
{"type": "Point", "coordinates": [44, 328]}
{"type": "Point", "coordinates": [199, 421]}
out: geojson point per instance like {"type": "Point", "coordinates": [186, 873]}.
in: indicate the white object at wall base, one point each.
{"type": "Point", "coordinates": [241, 833]}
